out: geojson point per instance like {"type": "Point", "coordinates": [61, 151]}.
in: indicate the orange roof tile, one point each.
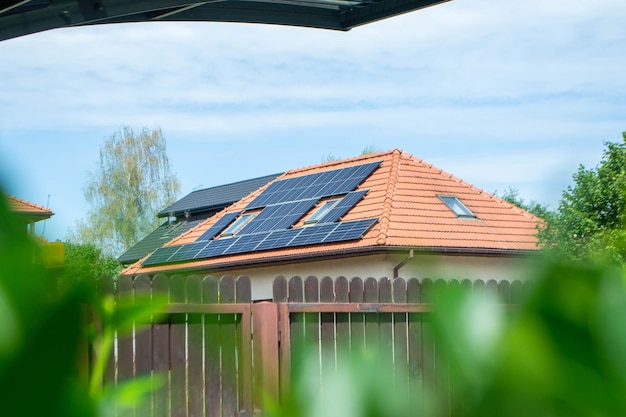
{"type": "Point", "coordinates": [23, 207]}
{"type": "Point", "coordinates": [402, 194]}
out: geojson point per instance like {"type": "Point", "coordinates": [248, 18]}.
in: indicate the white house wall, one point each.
{"type": "Point", "coordinates": [378, 266]}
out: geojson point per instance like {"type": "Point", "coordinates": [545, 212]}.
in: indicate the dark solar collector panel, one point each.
{"type": "Point", "coordinates": [318, 185]}
{"type": "Point", "coordinates": [161, 255]}
{"type": "Point", "coordinates": [343, 206]}
{"type": "Point", "coordinates": [220, 225]}
{"type": "Point", "coordinates": [277, 239]}
{"type": "Point", "coordinates": [279, 216]}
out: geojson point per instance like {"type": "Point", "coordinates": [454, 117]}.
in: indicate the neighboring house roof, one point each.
{"type": "Point", "coordinates": [190, 211]}
{"type": "Point", "coordinates": [215, 198]}
{"type": "Point", "coordinates": [27, 210]}
{"type": "Point", "coordinates": [397, 204]}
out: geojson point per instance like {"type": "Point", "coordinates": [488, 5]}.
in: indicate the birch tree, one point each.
{"type": "Point", "coordinates": [132, 182]}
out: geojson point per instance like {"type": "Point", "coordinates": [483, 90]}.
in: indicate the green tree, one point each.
{"type": "Point", "coordinates": [590, 219]}
{"type": "Point", "coordinates": [133, 181]}
{"type": "Point", "coordinates": [538, 209]}
{"type": "Point", "coordinates": [86, 262]}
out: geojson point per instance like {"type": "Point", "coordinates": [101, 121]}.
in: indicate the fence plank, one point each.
{"type": "Point", "coordinates": [357, 320]}
{"type": "Point", "coordinates": [428, 343]}
{"type": "Point", "coordinates": [212, 379]}
{"type": "Point", "coordinates": [195, 385]}
{"type": "Point", "coordinates": [296, 331]}
{"type": "Point", "coordinates": [106, 288]}
{"type": "Point", "coordinates": [311, 332]}
{"type": "Point", "coordinates": [177, 350]}
{"type": "Point", "coordinates": [125, 369]}
{"type": "Point", "coordinates": [143, 340]}
{"type": "Point", "coordinates": [415, 352]}
{"type": "Point", "coordinates": [370, 295]}
{"type": "Point", "coordinates": [400, 337]}
{"type": "Point", "coordinates": [327, 324]}
{"type": "Point", "coordinates": [385, 321]}
{"type": "Point", "coordinates": [228, 335]}
{"type": "Point", "coordinates": [279, 289]}
{"type": "Point", "coordinates": [161, 351]}
{"type": "Point", "coordinates": [243, 295]}
{"type": "Point", "coordinates": [442, 382]}
{"type": "Point", "coordinates": [342, 295]}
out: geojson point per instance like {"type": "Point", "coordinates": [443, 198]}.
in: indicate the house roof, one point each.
{"type": "Point", "coordinates": [402, 207]}
{"type": "Point", "coordinates": [200, 205]}
{"type": "Point", "coordinates": [28, 210]}
{"type": "Point", "coordinates": [215, 198]}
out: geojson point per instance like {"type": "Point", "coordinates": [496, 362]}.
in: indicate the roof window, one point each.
{"type": "Point", "coordinates": [238, 224]}
{"type": "Point", "coordinates": [326, 207]}
{"type": "Point", "coordinates": [457, 206]}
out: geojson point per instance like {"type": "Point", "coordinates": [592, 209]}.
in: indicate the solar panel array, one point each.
{"type": "Point", "coordinates": [319, 185]}
{"type": "Point", "coordinates": [275, 239]}
{"type": "Point", "coordinates": [282, 204]}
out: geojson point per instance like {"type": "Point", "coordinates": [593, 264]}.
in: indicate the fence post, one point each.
{"type": "Point", "coordinates": [265, 333]}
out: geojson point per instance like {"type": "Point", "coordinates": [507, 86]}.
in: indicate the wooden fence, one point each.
{"type": "Point", "coordinates": [219, 354]}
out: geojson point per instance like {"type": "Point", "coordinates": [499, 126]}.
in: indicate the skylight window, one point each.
{"type": "Point", "coordinates": [457, 206]}
{"type": "Point", "coordinates": [326, 207]}
{"type": "Point", "coordinates": [238, 224]}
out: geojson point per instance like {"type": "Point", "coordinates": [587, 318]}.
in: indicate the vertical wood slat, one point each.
{"type": "Point", "coordinates": [415, 337]}
{"type": "Point", "coordinates": [342, 295]}
{"type": "Point", "coordinates": [228, 331]}
{"type": "Point", "coordinates": [212, 379]}
{"type": "Point", "coordinates": [195, 385]}
{"type": "Point", "coordinates": [327, 332]}
{"type": "Point", "coordinates": [296, 328]}
{"type": "Point", "coordinates": [161, 352]}
{"type": "Point", "coordinates": [143, 341]}
{"type": "Point", "coordinates": [357, 320]}
{"type": "Point", "coordinates": [428, 344]}
{"type": "Point", "coordinates": [280, 295]}
{"type": "Point", "coordinates": [106, 288]}
{"type": "Point", "coordinates": [400, 338]}
{"type": "Point", "coordinates": [125, 342]}
{"type": "Point", "coordinates": [265, 316]}
{"type": "Point", "coordinates": [243, 295]}
{"type": "Point", "coordinates": [312, 331]}
{"type": "Point", "coordinates": [178, 351]}
{"type": "Point", "coordinates": [442, 382]}
{"type": "Point", "coordinates": [370, 295]}
{"type": "Point", "coordinates": [385, 323]}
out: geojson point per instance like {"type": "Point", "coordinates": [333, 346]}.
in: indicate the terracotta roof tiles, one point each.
{"type": "Point", "coordinates": [403, 196]}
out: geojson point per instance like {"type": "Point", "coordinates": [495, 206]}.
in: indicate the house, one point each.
{"type": "Point", "coordinates": [28, 213]}
{"type": "Point", "coordinates": [189, 211]}
{"type": "Point", "coordinates": [384, 214]}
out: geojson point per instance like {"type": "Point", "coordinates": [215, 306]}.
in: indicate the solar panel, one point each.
{"type": "Point", "coordinates": [216, 248]}
{"type": "Point", "coordinates": [246, 243]}
{"type": "Point", "coordinates": [349, 230]}
{"type": "Point", "coordinates": [220, 225]}
{"type": "Point", "coordinates": [187, 252]}
{"type": "Point", "coordinates": [279, 216]}
{"type": "Point", "coordinates": [312, 234]}
{"type": "Point", "coordinates": [343, 206]}
{"type": "Point", "coordinates": [161, 255]}
{"type": "Point", "coordinates": [278, 239]}
{"type": "Point", "coordinates": [318, 185]}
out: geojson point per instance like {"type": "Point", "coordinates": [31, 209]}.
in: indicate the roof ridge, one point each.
{"type": "Point", "coordinates": [339, 162]}
{"type": "Point", "coordinates": [230, 184]}
{"type": "Point", "coordinates": [389, 192]}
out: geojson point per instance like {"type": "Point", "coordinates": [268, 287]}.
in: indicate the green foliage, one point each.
{"type": "Point", "coordinates": [590, 219]}
{"type": "Point", "coordinates": [86, 262]}
{"type": "Point", "coordinates": [40, 332]}
{"type": "Point", "coordinates": [559, 353]}
{"type": "Point", "coordinates": [43, 335]}
{"type": "Point", "coordinates": [538, 209]}
{"type": "Point", "coordinates": [132, 183]}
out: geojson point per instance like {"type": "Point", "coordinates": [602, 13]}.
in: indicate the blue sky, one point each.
{"type": "Point", "coordinates": [499, 93]}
